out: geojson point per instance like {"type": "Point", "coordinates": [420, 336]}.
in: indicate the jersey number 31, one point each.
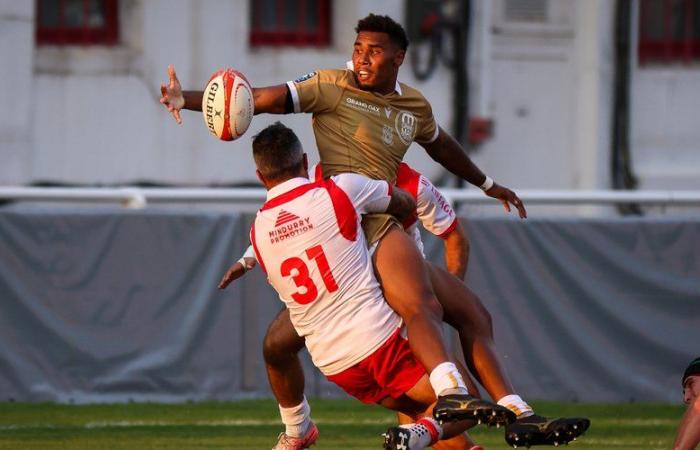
{"type": "Point", "coordinates": [302, 279]}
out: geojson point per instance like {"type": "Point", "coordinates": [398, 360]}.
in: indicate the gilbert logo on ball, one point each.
{"type": "Point", "coordinates": [227, 104]}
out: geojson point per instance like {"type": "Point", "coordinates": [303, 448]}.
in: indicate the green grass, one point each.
{"type": "Point", "coordinates": [254, 424]}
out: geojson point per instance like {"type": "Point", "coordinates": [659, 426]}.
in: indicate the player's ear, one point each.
{"type": "Point", "coordinates": [305, 161]}
{"type": "Point", "coordinates": [260, 177]}
{"type": "Point", "coordinates": [399, 57]}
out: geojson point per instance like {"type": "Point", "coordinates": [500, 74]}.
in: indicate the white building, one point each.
{"type": "Point", "coordinates": [541, 70]}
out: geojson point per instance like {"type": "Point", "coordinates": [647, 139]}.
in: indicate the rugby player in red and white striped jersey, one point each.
{"type": "Point", "coordinates": [307, 238]}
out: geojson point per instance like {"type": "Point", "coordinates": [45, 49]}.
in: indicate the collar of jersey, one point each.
{"type": "Point", "coordinates": [286, 191]}
{"type": "Point", "coordinates": [397, 88]}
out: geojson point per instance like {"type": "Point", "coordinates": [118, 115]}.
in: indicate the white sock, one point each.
{"type": "Point", "coordinates": [296, 419]}
{"type": "Point", "coordinates": [446, 379]}
{"type": "Point", "coordinates": [424, 433]}
{"type": "Point", "coordinates": [517, 405]}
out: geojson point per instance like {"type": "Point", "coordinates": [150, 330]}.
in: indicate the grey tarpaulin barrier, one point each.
{"type": "Point", "coordinates": [103, 305]}
{"type": "Point", "coordinates": [590, 310]}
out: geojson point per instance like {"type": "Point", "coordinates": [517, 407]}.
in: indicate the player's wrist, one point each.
{"type": "Point", "coordinates": [487, 184]}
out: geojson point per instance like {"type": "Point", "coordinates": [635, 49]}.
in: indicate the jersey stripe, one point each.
{"type": "Point", "coordinates": [289, 195]}
{"type": "Point", "coordinates": [345, 212]}
{"type": "Point", "coordinates": [449, 229]}
{"type": "Point", "coordinates": [407, 179]}
{"type": "Point", "coordinates": [255, 247]}
{"type": "Point", "coordinates": [295, 96]}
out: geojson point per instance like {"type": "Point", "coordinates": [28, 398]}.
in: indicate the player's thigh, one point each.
{"type": "Point", "coordinates": [402, 273]}
{"type": "Point", "coordinates": [462, 307]}
{"type": "Point", "coordinates": [281, 339]}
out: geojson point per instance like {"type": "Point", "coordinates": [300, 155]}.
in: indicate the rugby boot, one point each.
{"type": "Point", "coordinates": [450, 408]}
{"type": "Point", "coordinates": [285, 442]}
{"type": "Point", "coordinates": [397, 438]}
{"type": "Point", "coordinates": [539, 430]}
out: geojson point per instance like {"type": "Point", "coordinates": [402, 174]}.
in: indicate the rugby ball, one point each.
{"type": "Point", "coordinates": [227, 104]}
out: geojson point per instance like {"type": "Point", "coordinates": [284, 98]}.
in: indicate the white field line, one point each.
{"type": "Point", "coordinates": [197, 423]}
{"type": "Point", "coordinates": [255, 422]}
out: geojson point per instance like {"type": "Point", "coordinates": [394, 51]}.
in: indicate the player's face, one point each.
{"type": "Point", "coordinates": [376, 61]}
{"type": "Point", "coordinates": [691, 389]}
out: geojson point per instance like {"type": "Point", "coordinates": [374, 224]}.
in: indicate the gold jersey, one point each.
{"type": "Point", "coordinates": [360, 131]}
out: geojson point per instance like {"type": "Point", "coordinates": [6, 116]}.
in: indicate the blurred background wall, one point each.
{"type": "Point", "coordinates": [82, 107]}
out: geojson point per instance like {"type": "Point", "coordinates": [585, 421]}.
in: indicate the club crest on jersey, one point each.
{"type": "Point", "coordinates": [289, 225]}
{"type": "Point", "coordinates": [305, 77]}
{"type": "Point", "coordinates": [388, 135]}
{"type": "Point", "coordinates": [405, 126]}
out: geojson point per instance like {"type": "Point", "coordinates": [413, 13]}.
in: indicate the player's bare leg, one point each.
{"type": "Point", "coordinates": [402, 273]}
{"type": "Point", "coordinates": [465, 312]}
{"type": "Point", "coordinates": [280, 350]}
{"type": "Point", "coordinates": [286, 376]}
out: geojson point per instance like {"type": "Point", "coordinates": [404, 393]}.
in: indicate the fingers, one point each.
{"type": "Point", "coordinates": [233, 273]}
{"type": "Point", "coordinates": [515, 200]}
{"type": "Point", "coordinates": [171, 74]}
{"type": "Point", "coordinates": [176, 115]}
{"type": "Point", "coordinates": [163, 94]}
{"type": "Point", "coordinates": [225, 281]}
{"type": "Point", "coordinates": [506, 206]}
{"type": "Point", "coordinates": [228, 277]}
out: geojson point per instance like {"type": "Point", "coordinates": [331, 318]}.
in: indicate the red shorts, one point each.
{"type": "Point", "coordinates": [390, 371]}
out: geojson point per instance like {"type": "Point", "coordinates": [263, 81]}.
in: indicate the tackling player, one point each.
{"type": "Point", "coordinates": [308, 239]}
{"type": "Point", "coordinates": [364, 122]}
{"type": "Point", "coordinates": [436, 216]}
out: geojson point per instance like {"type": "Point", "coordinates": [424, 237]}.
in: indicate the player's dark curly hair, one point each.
{"type": "Point", "coordinates": [384, 24]}
{"type": "Point", "coordinates": [277, 152]}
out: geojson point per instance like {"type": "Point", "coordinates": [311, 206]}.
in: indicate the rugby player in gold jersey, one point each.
{"type": "Point", "coordinates": [364, 120]}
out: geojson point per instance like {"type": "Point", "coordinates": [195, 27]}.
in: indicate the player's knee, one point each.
{"type": "Point", "coordinates": [485, 322]}
{"type": "Point", "coordinates": [424, 306]}
{"type": "Point", "coordinates": [278, 347]}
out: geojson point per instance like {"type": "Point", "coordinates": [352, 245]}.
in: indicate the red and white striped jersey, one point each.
{"type": "Point", "coordinates": [432, 210]}
{"type": "Point", "coordinates": [308, 239]}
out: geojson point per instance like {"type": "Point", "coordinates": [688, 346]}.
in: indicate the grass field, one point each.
{"type": "Point", "coordinates": [254, 424]}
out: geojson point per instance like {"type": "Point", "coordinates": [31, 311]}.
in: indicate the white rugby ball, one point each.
{"type": "Point", "coordinates": [227, 104]}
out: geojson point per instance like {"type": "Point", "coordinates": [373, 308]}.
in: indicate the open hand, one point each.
{"type": "Point", "coordinates": [507, 197]}
{"type": "Point", "coordinates": [236, 271]}
{"type": "Point", "coordinates": [171, 95]}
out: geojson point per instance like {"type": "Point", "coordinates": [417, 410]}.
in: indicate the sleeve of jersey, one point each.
{"type": "Point", "coordinates": [434, 212]}
{"type": "Point", "coordinates": [249, 253]}
{"type": "Point", "coordinates": [428, 128]}
{"type": "Point", "coordinates": [316, 91]}
{"type": "Point", "coordinates": [366, 195]}
{"type": "Point", "coordinates": [256, 252]}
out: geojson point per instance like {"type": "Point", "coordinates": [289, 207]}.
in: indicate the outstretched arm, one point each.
{"type": "Point", "coordinates": [446, 151]}
{"type": "Point", "coordinates": [271, 99]}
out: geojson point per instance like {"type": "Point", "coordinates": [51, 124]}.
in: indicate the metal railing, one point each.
{"type": "Point", "coordinates": [137, 197]}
